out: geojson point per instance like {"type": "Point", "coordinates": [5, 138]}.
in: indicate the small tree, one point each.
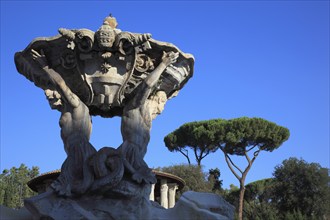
{"type": "Point", "coordinates": [242, 136]}
{"type": "Point", "coordinates": [301, 187]}
{"type": "Point", "coordinates": [257, 200]}
{"type": "Point", "coordinates": [13, 185]}
{"type": "Point", "coordinates": [239, 137]}
{"type": "Point", "coordinates": [198, 136]}
{"type": "Point", "coordinates": [214, 178]}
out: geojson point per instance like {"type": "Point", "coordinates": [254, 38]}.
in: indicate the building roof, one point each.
{"type": "Point", "coordinates": [181, 183]}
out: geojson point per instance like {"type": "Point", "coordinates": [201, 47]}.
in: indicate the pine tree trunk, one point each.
{"type": "Point", "coordinates": [241, 199]}
{"type": "Point", "coordinates": [199, 163]}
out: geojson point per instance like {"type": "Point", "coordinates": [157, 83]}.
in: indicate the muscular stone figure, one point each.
{"type": "Point", "coordinates": [136, 121]}
{"type": "Point", "coordinates": [76, 125]}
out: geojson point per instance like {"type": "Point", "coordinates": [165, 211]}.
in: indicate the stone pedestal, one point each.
{"type": "Point", "coordinates": [191, 205]}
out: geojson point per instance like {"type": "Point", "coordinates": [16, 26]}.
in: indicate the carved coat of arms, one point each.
{"type": "Point", "coordinates": [104, 67]}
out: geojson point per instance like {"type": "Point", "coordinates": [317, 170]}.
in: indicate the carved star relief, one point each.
{"type": "Point", "coordinates": [105, 67]}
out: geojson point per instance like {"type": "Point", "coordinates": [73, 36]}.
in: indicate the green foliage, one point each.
{"type": "Point", "coordinates": [257, 200]}
{"type": "Point", "coordinates": [257, 203]}
{"type": "Point", "coordinates": [298, 191]}
{"type": "Point", "coordinates": [234, 137]}
{"type": "Point", "coordinates": [259, 191]}
{"type": "Point", "coordinates": [259, 211]}
{"type": "Point", "coordinates": [242, 135]}
{"type": "Point", "coordinates": [295, 215]}
{"type": "Point", "coordinates": [237, 136]}
{"type": "Point", "coordinates": [214, 179]}
{"type": "Point", "coordinates": [303, 187]}
{"type": "Point", "coordinates": [232, 195]}
{"type": "Point", "coordinates": [13, 185]}
{"type": "Point", "coordinates": [197, 136]}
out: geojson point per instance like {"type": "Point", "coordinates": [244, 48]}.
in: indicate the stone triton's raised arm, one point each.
{"type": "Point", "coordinates": [152, 79]}
{"type": "Point", "coordinates": [167, 59]}
{"type": "Point", "coordinates": [56, 78]}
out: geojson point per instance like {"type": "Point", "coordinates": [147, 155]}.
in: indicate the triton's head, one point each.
{"type": "Point", "coordinates": [157, 103]}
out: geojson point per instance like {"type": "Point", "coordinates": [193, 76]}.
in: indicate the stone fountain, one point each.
{"type": "Point", "coordinates": [109, 73]}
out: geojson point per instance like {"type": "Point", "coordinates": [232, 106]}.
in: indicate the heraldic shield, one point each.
{"type": "Point", "coordinates": [104, 68]}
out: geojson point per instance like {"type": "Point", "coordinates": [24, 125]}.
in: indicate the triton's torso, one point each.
{"type": "Point", "coordinates": [136, 125]}
{"type": "Point", "coordinates": [75, 120]}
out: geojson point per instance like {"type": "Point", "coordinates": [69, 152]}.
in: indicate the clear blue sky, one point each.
{"type": "Point", "coordinates": [267, 59]}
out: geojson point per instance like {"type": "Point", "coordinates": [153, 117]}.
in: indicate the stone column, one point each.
{"type": "Point", "coordinates": [152, 193]}
{"type": "Point", "coordinates": [172, 187]}
{"type": "Point", "coordinates": [164, 193]}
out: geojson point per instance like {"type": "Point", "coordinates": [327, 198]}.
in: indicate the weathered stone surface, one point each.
{"type": "Point", "coordinates": [203, 206]}
{"type": "Point", "coordinates": [104, 68]}
{"type": "Point", "coordinates": [109, 73]}
{"type": "Point", "coordinates": [14, 214]}
{"type": "Point", "coordinates": [191, 205]}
